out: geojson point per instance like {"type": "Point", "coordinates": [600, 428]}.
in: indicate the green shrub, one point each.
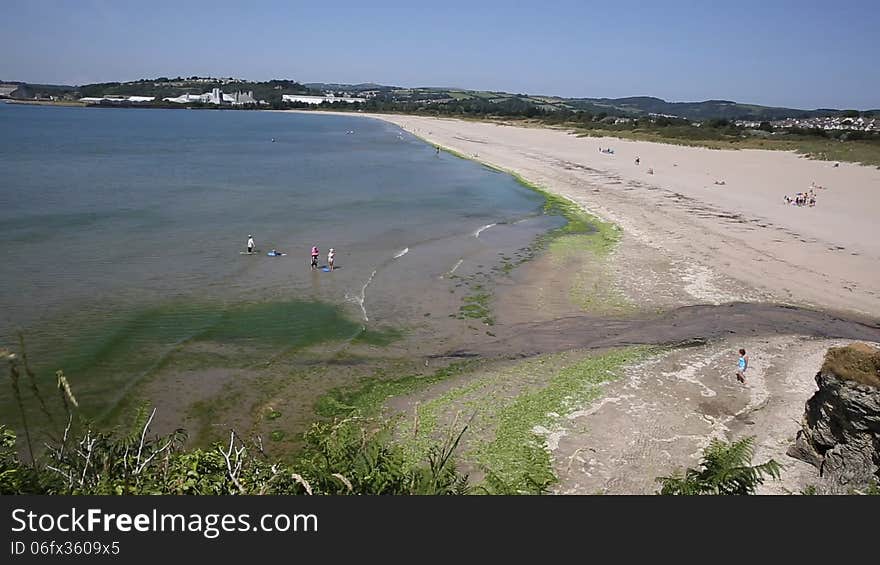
{"type": "Point", "coordinates": [725, 469]}
{"type": "Point", "coordinates": [339, 457]}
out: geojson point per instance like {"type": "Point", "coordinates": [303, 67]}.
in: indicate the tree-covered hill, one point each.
{"type": "Point", "coordinates": [441, 100]}
{"type": "Point", "coordinates": [164, 87]}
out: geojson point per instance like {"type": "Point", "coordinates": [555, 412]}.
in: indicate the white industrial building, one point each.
{"type": "Point", "coordinates": [320, 99]}
{"type": "Point", "coordinates": [216, 96]}
{"type": "Point", "coordinates": [117, 99]}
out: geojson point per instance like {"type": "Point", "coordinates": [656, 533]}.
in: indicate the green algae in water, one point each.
{"type": "Point", "coordinates": [110, 357]}
{"type": "Point", "coordinates": [281, 324]}
{"type": "Point", "coordinates": [602, 236]}
{"type": "Point", "coordinates": [379, 338]}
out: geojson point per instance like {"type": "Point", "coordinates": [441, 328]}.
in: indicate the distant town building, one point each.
{"type": "Point", "coordinates": [217, 96]}
{"type": "Point", "coordinates": [825, 123]}
{"type": "Point", "coordinates": [240, 98]}
{"type": "Point", "coordinates": [320, 99]}
{"type": "Point", "coordinates": [111, 99]}
{"type": "Point", "coordinates": [185, 98]}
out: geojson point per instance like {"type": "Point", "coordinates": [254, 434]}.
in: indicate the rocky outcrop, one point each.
{"type": "Point", "coordinates": [840, 432]}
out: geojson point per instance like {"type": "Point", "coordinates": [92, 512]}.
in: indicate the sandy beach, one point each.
{"type": "Point", "coordinates": [825, 256]}
{"type": "Point", "coordinates": [703, 228]}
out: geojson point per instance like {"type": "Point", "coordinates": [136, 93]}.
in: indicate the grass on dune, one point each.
{"type": "Point", "coordinates": [853, 151]}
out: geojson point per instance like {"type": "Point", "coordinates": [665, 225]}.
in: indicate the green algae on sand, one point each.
{"type": "Point", "coordinates": [511, 409]}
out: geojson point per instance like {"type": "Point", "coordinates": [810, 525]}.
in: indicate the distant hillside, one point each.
{"type": "Point", "coordinates": [35, 85]}
{"type": "Point", "coordinates": [332, 86]}
{"type": "Point", "coordinates": [169, 87]}
{"type": "Point", "coordinates": [462, 101]}
{"type": "Point", "coordinates": [30, 90]}
{"type": "Point", "coordinates": [162, 87]}
{"type": "Point", "coordinates": [709, 109]}
{"type": "Point", "coordinates": [630, 106]}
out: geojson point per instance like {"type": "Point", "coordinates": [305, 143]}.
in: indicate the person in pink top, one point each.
{"type": "Point", "coordinates": [315, 253]}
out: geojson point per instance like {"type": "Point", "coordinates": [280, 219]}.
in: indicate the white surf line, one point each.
{"type": "Point", "coordinates": [360, 300]}
{"type": "Point", "coordinates": [482, 229]}
{"type": "Point", "coordinates": [363, 297]}
{"type": "Point", "coordinates": [457, 265]}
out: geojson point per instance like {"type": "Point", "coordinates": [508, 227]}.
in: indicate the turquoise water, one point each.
{"type": "Point", "coordinates": [108, 215]}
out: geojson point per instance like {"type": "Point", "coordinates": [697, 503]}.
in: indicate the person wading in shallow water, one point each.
{"type": "Point", "coordinates": [251, 244]}
{"type": "Point", "coordinates": [741, 366]}
{"type": "Point", "coordinates": [314, 257]}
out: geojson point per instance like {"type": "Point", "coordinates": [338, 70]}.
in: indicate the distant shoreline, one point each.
{"type": "Point", "coordinates": [68, 103]}
{"type": "Point", "coordinates": [865, 152]}
{"type": "Point", "coordinates": [681, 211]}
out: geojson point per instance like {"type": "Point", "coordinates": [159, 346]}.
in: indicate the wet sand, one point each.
{"type": "Point", "coordinates": [688, 325]}
{"type": "Point", "coordinates": [823, 257]}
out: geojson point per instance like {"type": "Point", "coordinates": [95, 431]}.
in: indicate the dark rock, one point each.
{"type": "Point", "coordinates": [840, 433]}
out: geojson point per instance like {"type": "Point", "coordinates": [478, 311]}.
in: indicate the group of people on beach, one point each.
{"type": "Point", "coordinates": [807, 198]}
{"type": "Point", "coordinates": [331, 255]}
{"type": "Point", "coordinates": [801, 199]}
{"type": "Point", "coordinates": [606, 150]}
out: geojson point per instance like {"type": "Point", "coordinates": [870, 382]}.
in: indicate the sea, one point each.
{"type": "Point", "coordinates": [124, 230]}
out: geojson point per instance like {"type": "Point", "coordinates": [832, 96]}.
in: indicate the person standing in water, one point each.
{"type": "Point", "coordinates": [251, 244]}
{"type": "Point", "coordinates": [742, 366]}
{"type": "Point", "coordinates": [331, 256]}
{"type": "Point", "coordinates": [314, 257]}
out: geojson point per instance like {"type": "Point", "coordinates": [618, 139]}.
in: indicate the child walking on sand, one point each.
{"type": "Point", "coordinates": [742, 366]}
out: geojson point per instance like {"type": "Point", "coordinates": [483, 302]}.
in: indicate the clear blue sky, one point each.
{"type": "Point", "coordinates": [803, 54]}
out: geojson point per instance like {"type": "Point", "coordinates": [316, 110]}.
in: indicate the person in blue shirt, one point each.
{"type": "Point", "coordinates": [742, 366]}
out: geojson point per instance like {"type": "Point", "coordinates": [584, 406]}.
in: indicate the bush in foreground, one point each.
{"type": "Point", "coordinates": [340, 457]}
{"type": "Point", "coordinates": [725, 469]}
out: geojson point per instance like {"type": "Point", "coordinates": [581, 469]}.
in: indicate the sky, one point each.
{"type": "Point", "coordinates": [800, 54]}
